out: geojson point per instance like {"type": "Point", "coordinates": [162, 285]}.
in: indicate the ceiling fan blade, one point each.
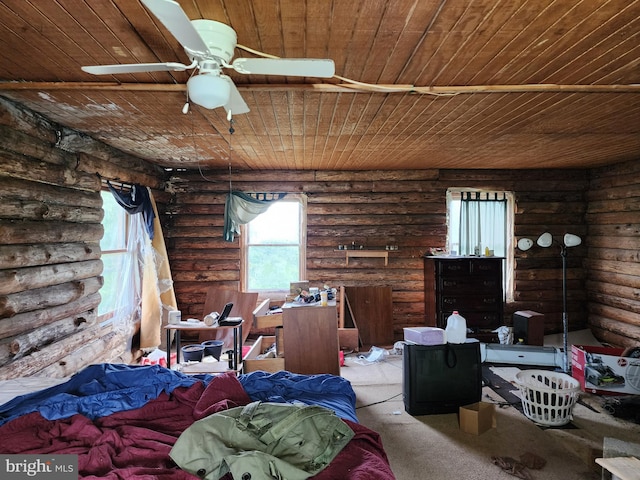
{"type": "Point", "coordinates": [288, 67]}
{"type": "Point", "coordinates": [136, 68]}
{"type": "Point", "coordinates": [236, 104]}
{"type": "Point", "coordinates": [172, 16]}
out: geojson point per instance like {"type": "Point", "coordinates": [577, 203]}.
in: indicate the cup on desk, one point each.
{"type": "Point", "coordinates": [324, 298]}
{"type": "Point", "coordinates": [174, 317]}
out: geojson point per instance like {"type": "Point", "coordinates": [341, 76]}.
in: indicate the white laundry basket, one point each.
{"type": "Point", "coordinates": [548, 397]}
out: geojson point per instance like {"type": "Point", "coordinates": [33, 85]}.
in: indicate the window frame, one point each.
{"type": "Point", "coordinates": [301, 199]}
{"type": "Point", "coordinates": [108, 316]}
{"type": "Point", "coordinates": [509, 266]}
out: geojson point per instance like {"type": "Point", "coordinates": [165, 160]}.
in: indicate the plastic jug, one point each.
{"type": "Point", "coordinates": [456, 328]}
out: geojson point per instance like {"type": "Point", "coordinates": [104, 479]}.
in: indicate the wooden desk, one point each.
{"type": "Point", "coordinates": [213, 367]}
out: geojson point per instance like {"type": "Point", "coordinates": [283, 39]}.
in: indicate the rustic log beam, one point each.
{"type": "Point", "coordinates": [15, 256]}
{"type": "Point", "coordinates": [22, 279]}
{"type": "Point", "coordinates": [37, 191]}
{"type": "Point", "coordinates": [15, 232]}
{"type": "Point", "coordinates": [25, 322]}
{"type": "Point", "coordinates": [21, 345]}
{"type": "Point", "coordinates": [36, 362]}
{"type": "Point", "coordinates": [61, 173]}
{"type": "Point", "coordinates": [26, 210]}
{"type": "Point", "coordinates": [104, 347]}
{"type": "Point", "coordinates": [46, 297]}
{"type": "Point", "coordinates": [33, 124]}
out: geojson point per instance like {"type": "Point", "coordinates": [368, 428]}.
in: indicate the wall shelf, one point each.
{"type": "Point", "coordinates": [368, 254]}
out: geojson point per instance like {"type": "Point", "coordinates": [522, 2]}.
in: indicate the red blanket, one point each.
{"type": "Point", "coordinates": [135, 444]}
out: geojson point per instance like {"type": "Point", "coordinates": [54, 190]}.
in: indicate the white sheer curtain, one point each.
{"type": "Point", "coordinates": [483, 220]}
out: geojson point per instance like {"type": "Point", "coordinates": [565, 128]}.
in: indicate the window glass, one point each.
{"type": "Point", "coordinates": [114, 252]}
{"type": "Point", "coordinates": [273, 255]}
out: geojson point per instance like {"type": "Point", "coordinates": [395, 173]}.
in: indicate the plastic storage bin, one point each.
{"type": "Point", "coordinates": [548, 397]}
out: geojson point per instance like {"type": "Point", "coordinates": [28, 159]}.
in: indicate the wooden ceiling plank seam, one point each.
{"type": "Point", "coordinates": [244, 18]}
{"type": "Point", "coordinates": [495, 116]}
{"type": "Point", "coordinates": [342, 31]}
{"type": "Point", "coordinates": [122, 37]}
{"type": "Point", "coordinates": [213, 10]}
{"type": "Point", "coordinates": [294, 31]}
{"type": "Point", "coordinates": [500, 15]}
{"type": "Point", "coordinates": [532, 36]}
{"type": "Point", "coordinates": [368, 111]}
{"type": "Point", "coordinates": [618, 67]}
{"type": "Point", "coordinates": [360, 44]}
{"type": "Point", "coordinates": [414, 141]}
{"type": "Point", "coordinates": [394, 26]}
{"type": "Point", "coordinates": [346, 113]}
{"type": "Point", "coordinates": [370, 20]}
{"type": "Point", "coordinates": [336, 162]}
{"type": "Point", "coordinates": [541, 10]}
{"type": "Point", "coordinates": [317, 30]}
{"type": "Point", "coordinates": [539, 40]}
{"type": "Point", "coordinates": [368, 144]}
{"type": "Point", "coordinates": [459, 46]}
{"type": "Point", "coordinates": [17, 26]}
{"type": "Point", "coordinates": [356, 111]}
{"type": "Point", "coordinates": [162, 45]}
{"type": "Point", "coordinates": [9, 68]}
{"type": "Point", "coordinates": [610, 33]}
{"type": "Point", "coordinates": [565, 104]}
{"type": "Point", "coordinates": [420, 44]}
{"type": "Point", "coordinates": [265, 122]}
{"type": "Point", "coordinates": [327, 133]}
{"type": "Point", "coordinates": [556, 52]}
{"type": "Point", "coordinates": [498, 41]}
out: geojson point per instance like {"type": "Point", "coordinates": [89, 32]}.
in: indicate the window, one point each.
{"type": "Point", "coordinates": [120, 272]}
{"type": "Point", "coordinates": [274, 247]}
{"type": "Point", "coordinates": [485, 220]}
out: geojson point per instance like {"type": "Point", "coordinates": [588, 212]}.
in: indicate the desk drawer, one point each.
{"type": "Point", "coordinates": [251, 363]}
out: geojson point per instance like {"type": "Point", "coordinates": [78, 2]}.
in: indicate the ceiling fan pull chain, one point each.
{"type": "Point", "coordinates": [231, 131]}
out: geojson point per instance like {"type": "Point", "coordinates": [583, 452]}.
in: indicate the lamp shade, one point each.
{"type": "Point", "coordinates": [545, 240]}
{"type": "Point", "coordinates": [525, 244]}
{"type": "Point", "coordinates": [209, 90]}
{"type": "Point", "coordinates": [571, 240]}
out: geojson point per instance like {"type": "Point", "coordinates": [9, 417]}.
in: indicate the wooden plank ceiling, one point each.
{"type": "Point", "coordinates": [499, 83]}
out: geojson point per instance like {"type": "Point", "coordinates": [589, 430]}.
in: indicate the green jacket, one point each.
{"type": "Point", "coordinates": [262, 441]}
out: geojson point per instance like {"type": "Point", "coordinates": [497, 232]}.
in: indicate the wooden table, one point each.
{"type": "Point", "coordinates": [214, 367]}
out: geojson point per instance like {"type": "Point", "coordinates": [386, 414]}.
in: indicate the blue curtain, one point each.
{"type": "Point", "coordinates": [136, 200]}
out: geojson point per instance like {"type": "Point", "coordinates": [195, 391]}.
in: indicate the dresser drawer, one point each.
{"type": "Point", "coordinates": [470, 303]}
{"type": "Point", "coordinates": [465, 285]}
{"type": "Point", "coordinates": [476, 321]}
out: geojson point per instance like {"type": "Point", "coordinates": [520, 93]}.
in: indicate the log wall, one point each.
{"type": "Point", "coordinates": [50, 213]}
{"type": "Point", "coordinates": [379, 208]}
{"type": "Point", "coordinates": [613, 286]}
{"type": "Point", "coordinates": [50, 231]}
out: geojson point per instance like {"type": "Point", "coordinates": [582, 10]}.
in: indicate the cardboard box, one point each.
{"type": "Point", "coordinates": [477, 418]}
{"type": "Point", "coordinates": [251, 363]}
{"type": "Point", "coordinates": [604, 371]}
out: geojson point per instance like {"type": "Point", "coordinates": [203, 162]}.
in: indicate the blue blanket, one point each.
{"type": "Point", "coordinates": [103, 389]}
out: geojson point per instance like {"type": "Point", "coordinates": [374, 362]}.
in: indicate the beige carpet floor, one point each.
{"type": "Point", "coordinates": [434, 447]}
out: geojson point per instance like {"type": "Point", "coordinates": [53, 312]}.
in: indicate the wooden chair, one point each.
{"type": "Point", "coordinates": [243, 306]}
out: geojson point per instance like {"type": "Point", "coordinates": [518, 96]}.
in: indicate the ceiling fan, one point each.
{"type": "Point", "coordinates": [210, 46]}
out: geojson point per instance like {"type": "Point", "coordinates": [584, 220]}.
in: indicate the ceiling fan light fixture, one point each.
{"type": "Point", "coordinates": [208, 90]}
